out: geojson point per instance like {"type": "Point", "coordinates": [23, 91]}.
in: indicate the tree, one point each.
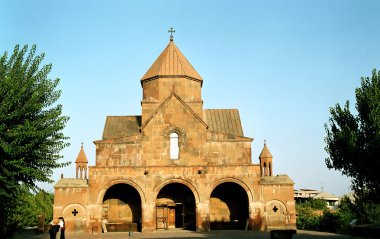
{"type": "Point", "coordinates": [31, 126]}
{"type": "Point", "coordinates": [28, 206]}
{"type": "Point", "coordinates": [353, 141]}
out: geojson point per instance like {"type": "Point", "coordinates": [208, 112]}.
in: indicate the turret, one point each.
{"type": "Point", "coordinates": [266, 165]}
{"type": "Point", "coordinates": [81, 165]}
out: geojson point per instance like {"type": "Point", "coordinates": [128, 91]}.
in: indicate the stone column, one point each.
{"type": "Point", "coordinates": [148, 217]}
{"type": "Point", "coordinates": [94, 218]}
{"type": "Point", "coordinates": [203, 216]}
{"type": "Point", "coordinates": [256, 216]}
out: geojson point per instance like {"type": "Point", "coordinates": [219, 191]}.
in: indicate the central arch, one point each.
{"type": "Point", "coordinates": [121, 208]}
{"type": "Point", "coordinates": [175, 207]}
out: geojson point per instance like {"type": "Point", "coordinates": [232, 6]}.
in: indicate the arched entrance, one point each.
{"type": "Point", "coordinates": [122, 208]}
{"type": "Point", "coordinates": [175, 207]}
{"type": "Point", "coordinates": [229, 209]}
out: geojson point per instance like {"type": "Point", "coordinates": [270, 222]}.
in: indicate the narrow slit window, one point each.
{"type": "Point", "coordinates": [174, 146]}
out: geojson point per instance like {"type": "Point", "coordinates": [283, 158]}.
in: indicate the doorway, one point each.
{"type": "Point", "coordinates": [175, 208]}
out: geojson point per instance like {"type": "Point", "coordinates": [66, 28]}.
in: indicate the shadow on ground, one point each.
{"type": "Point", "coordinates": [188, 234]}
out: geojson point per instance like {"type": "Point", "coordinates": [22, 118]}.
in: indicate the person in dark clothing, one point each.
{"type": "Point", "coordinates": [53, 231]}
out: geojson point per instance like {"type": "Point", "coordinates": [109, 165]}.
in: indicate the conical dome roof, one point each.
{"type": "Point", "coordinates": [82, 158]}
{"type": "Point", "coordinates": [171, 62]}
{"type": "Point", "coordinates": [265, 153]}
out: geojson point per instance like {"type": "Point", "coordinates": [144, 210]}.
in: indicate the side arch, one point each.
{"type": "Point", "coordinates": [120, 181]}
{"type": "Point", "coordinates": [232, 180]}
{"type": "Point", "coordinates": [276, 214]}
{"type": "Point", "coordinates": [75, 217]}
{"type": "Point", "coordinates": [81, 210]}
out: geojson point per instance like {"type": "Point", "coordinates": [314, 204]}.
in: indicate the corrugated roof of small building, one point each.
{"type": "Point", "coordinates": [326, 196]}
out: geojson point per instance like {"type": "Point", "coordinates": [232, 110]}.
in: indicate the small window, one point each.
{"type": "Point", "coordinates": [174, 146]}
{"type": "Point", "coordinates": [265, 170]}
{"type": "Point", "coordinates": [269, 169]}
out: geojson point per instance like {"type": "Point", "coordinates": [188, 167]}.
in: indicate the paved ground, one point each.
{"type": "Point", "coordinates": [190, 235]}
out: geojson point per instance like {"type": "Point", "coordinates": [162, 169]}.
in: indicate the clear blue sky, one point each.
{"type": "Point", "coordinates": [281, 63]}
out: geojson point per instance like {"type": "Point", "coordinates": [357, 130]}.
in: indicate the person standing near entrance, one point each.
{"type": "Point", "coordinates": [53, 230]}
{"type": "Point", "coordinates": [62, 227]}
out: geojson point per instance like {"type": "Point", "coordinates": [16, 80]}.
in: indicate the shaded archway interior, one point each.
{"type": "Point", "coordinates": [122, 208]}
{"type": "Point", "coordinates": [229, 208]}
{"type": "Point", "coordinates": [175, 207]}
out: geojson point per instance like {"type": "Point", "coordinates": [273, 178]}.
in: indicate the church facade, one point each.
{"type": "Point", "coordinates": [177, 165]}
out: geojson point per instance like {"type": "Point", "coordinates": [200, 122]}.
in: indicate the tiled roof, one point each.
{"type": "Point", "coordinates": [121, 126]}
{"type": "Point", "coordinates": [171, 62]}
{"type": "Point", "coordinates": [265, 153]}
{"type": "Point", "coordinates": [71, 182]}
{"type": "Point", "coordinates": [282, 179]}
{"type": "Point", "coordinates": [223, 120]}
{"type": "Point", "coordinates": [82, 158]}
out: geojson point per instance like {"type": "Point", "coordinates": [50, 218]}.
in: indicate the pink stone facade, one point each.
{"type": "Point", "coordinates": [136, 185]}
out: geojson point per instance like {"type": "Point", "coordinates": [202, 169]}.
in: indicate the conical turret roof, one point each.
{"type": "Point", "coordinates": [171, 62]}
{"type": "Point", "coordinates": [265, 153]}
{"type": "Point", "coordinates": [82, 158]}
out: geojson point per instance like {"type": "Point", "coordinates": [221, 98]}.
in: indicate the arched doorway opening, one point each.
{"type": "Point", "coordinates": [229, 209]}
{"type": "Point", "coordinates": [121, 208]}
{"type": "Point", "coordinates": [175, 207]}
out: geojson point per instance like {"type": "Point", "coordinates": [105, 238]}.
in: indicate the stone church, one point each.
{"type": "Point", "coordinates": [177, 165]}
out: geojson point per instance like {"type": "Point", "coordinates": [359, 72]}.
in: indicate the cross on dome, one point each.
{"type": "Point", "coordinates": [171, 31]}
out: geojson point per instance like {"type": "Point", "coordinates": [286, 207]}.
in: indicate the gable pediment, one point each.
{"type": "Point", "coordinates": [166, 104]}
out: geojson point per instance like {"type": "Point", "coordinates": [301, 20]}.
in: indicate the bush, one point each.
{"type": "Point", "coordinates": [307, 219]}
{"type": "Point", "coordinates": [330, 222]}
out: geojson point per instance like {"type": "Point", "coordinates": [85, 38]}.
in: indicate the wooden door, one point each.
{"type": "Point", "coordinates": [171, 217]}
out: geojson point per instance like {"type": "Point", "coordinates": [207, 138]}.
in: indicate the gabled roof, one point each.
{"type": "Point", "coordinates": [171, 62]}
{"type": "Point", "coordinates": [121, 126]}
{"type": "Point", "coordinates": [265, 152]}
{"type": "Point", "coordinates": [223, 120]}
{"type": "Point", "coordinates": [173, 94]}
{"type": "Point", "coordinates": [82, 158]}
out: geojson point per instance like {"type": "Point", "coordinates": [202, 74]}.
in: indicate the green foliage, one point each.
{"type": "Point", "coordinates": [353, 141]}
{"type": "Point", "coordinates": [338, 221]}
{"type": "Point", "coordinates": [346, 213]}
{"type": "Point", "coordinates": [330, 221]}
{"type": "Point", "coordinates": [31, 126]}
{"type": "Point", "coordinates": [367, 212]}
{"type": "Point", "coordinates": [307, 219]}
{"type": "Point", "coordinates": [317, 204]}
{"type": "Point", "coordinates": [29, 205]}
